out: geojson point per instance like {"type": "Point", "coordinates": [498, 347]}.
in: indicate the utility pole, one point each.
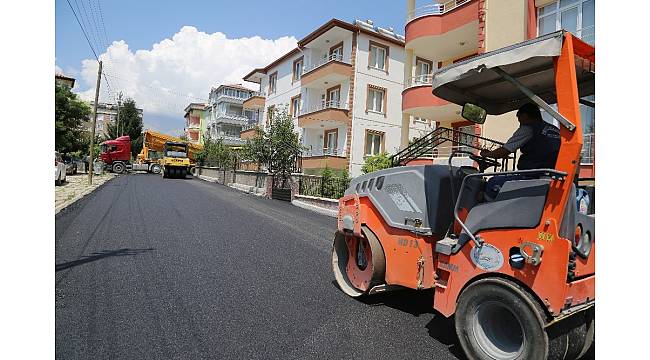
{"type": "Point", "coordinates": [119, 102]}
{"type": "Point", "coordinates": [92, 138]}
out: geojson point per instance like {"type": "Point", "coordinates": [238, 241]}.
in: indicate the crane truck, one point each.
{"type": "Point", "coordinates": [116, 154]}
{"type": "Point", "coordinates": [516, 272]}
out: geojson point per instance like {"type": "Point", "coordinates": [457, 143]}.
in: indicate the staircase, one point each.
{"type": "Point", "coordinates": [426, 144]}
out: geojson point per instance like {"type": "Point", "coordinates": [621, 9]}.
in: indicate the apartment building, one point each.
{"type": "Point", "coordinates": [106, 114]}
{"type": "Point", "coordinates": [342, 86]}
{"type": "Point", "coordinates": [195, 123]}
{"type": "Point", "coordinates": [225, 114]}
{"type": "Point", "coordinates": [442, 33]}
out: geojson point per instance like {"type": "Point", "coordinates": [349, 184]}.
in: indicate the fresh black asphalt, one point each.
{"type": "Point", "coordinates": [152, 268]}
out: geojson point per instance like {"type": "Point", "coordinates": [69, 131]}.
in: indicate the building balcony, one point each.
{"type": "Point", "coordinates": [229, 99]}
{"type": "Point", "coordinates": [325, 73]}
{"type": "Point", "coordinates": [418, 101]}
{"type": "Point", "coordinates": [325, 114]}
{"type": "Point", "coordinates": [248, 131]}
{"type": "Point", "coordinates": [443, 30]}
{"type": "Point", "coordinates": [233, 119]}
{"type": "Point", "coordinates": [256, 101]}
{"type": "Point", "coordinates": [229, 140]}
{"type": "Point", "coordinates": [315, 160]}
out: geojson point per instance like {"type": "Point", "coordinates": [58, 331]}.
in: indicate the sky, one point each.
{"type": "Point", "coordinates": [166, 54]}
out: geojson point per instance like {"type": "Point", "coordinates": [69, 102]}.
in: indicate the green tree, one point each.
{"type": "Point", "coordinates": [130, 124]}
{"type": "Point", "coordinates": [69, 117]}
{"type": "Point", "coordinates": [278, 146]}
{"type": "Point", "coordinates": [215, 153]}
{"type": "Point", "coordinates": [376, 162]}
{"type": "Point", "coordinates": [257, 149]}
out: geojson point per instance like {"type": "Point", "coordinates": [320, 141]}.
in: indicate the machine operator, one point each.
{"type": "Point", "coordinates": [538, 141]}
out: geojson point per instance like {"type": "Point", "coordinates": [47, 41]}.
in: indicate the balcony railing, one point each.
{"type": "Point", "coordinates": [435, 9]}
{"type": "Point", "coordinates": [234, 119]}
{"type": "Point", "coordinates": [229, 98]}
{"type": "Point", "coordinates": [256, 93]}
{"type": "Point", "coordinates": [249, 126]}
{"type": "Point", "coordinates": [332, 57]}
{"type": "Point", "coordinates": [323, 152]}
{"type": "Point", "coordinates": [419, 80]}
{"type": "Point", "coordinates": [332, 104]}
{"type": "Point", "coordinates": [588, 149]}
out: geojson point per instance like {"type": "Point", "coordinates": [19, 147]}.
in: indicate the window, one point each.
{"type": "Point", "coordinates": [376, 101]}
{"type": "Point", "coordinates": [336, 52]}
{"type": "Point", "coordinates": [330, 138]}
{"type": "Point", "coordinates": [378, 56]}
{"type": "Point", "coordinates": [273, 79]}
{"type": "Point", "coordinates": [295, 106]}
{"type": "Point", "coordinates": [576, 16]}
{"type": "Point", "coordinates": [297, 69]}
{"type": "Point", "coordinates": [333, 97]}
{"type": "Point", "coordinates": [374, 142]}
{"type": "Point", "coordinates": [422, 71]}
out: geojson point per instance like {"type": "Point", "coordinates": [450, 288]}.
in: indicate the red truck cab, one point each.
{"type": "Point", "coordinates": [116, 151]}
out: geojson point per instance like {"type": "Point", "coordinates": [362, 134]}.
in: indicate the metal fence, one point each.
{"type": "Point", "coordinates": [435, 9]}
{"type": "Point", "coordinates": [332, 188]}
{"type": "Point", "coordinates": [588, 149]}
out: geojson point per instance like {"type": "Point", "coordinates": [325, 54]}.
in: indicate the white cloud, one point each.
{"type": "Point", "coordinates": [57, 69]}
{"type": "Point", "coordinates": [180, 70]}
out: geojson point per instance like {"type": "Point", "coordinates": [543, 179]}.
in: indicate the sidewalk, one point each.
{"type": "Point", "coordinates": [77, 187]}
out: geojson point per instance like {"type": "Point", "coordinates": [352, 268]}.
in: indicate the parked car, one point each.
{"type": "Point", "coordinates": [70, 165]}
{"type": "Point", "coordinates": [59, 169]}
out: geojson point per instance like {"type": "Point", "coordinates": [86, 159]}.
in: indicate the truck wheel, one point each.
{"type": "Point", "coordinates": [118, 168]}
{"type": "Point", "coordinates": [155, 168]}
{"type": "Point", "coordinates": [358, 262]}
{"type": "Point", "coordinates": [497, 319]}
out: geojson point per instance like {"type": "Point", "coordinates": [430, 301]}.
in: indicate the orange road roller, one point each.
{"type": "Point", "coordinates": [517, 270]}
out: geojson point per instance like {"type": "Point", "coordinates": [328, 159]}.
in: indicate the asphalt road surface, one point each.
{"type": "Point", "coordinates": [152, 268]}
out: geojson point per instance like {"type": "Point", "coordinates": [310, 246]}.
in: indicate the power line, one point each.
{"type": "Point", "coordinates": [83, 30]}
{"type": "Point", "coordinates": [103, 28]}
{"type": "Point", "coordinates": [169, 91]}
{"type": "Point", "coordinates": [93, 28]}
{"type": "Point", "coordinates": [92, 48]}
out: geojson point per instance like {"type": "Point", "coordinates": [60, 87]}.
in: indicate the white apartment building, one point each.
{"type": "Point", "coordinates": [225, 114]}
{"type": "Point", "coordinates": [342, 85]}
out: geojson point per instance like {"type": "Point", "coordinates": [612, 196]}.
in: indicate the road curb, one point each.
{"type": "Point", "coordinates": [57, 209]}
{"type": "Point", "coordinates": [314, 208]}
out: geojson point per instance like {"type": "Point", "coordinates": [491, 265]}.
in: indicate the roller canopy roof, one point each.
{"type": "Point", "coordinates": [530, 62]}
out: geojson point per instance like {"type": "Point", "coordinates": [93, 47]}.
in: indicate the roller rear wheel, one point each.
{"type": "Point", "coordinates": [358, 262]}
{"type": "Point", "coordinates": [497, 319]}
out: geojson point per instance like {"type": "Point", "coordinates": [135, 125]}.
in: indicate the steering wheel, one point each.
{"type": "Point", "coordinates": [484, 162]}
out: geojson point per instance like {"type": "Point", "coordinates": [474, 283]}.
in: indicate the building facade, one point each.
{"type": "Point", "coordinates": [225, 114]}
{"type": "Point", "coordinates": [439, 34]}
{"type": "Point", "coordinates": [195, 123]}
{"type": "Point", "coordinates": [342, 87]}
{"type": "Point", "coordinates": [106, 114]}
{"type": "Point", "coordinates": [63, 80]}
